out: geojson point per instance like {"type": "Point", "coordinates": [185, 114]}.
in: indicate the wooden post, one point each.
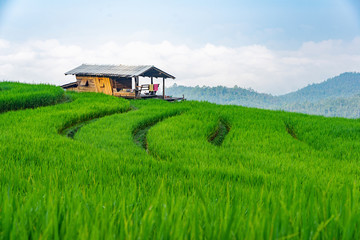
{"type": "Point", "coordinates": [152, 82]}
{"type": "Point", "coordinates": [138, 84]}
{"type": "Point", "coordinates": [163, 88]}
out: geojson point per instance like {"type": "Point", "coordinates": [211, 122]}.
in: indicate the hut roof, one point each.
{"type": "Point", "coordinates": [119, 71]}
{"type": "Point", "coordinates": [69, 85]}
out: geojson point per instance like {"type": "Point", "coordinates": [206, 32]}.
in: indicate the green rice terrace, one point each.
{"type": "Point", "coordinates": [93, 166]}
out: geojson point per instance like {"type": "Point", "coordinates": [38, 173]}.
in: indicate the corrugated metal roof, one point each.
{"type": "Point", "coordinates": [114, 70]}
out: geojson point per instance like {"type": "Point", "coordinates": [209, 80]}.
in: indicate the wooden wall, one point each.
{"type": "Point", "coordinates": [102, 84]}
{"type": "Point", "coordinates": [72, 89]}
{"type": "Point", "coordinates": [86, 84]}
{"type": "Point", "coordinates": [94, 84]}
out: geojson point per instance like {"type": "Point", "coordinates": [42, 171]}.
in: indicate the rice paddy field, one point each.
{"type": "Point", "coordinates": [92, 166]}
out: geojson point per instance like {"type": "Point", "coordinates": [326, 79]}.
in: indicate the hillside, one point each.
{"type": "Point", "coordinates": [224, 95]}
{"type": "Point", "coordinates": [342, 86]}
{"type": "Point", "coordinates": [93, 166]}
{"type": "Point", "coordinates": [332, 107]}
{"type": "Point", "coordinates": [336, 96]}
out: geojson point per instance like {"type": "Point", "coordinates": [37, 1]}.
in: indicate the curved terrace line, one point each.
{"type": "Point", "coordinates": [291, 130]}
{"type": "Point", "coordinates": [218, 135]}
{"type": "Point", "coordinates": [71, 130]}
{"type": "Point", "coordinates": [140, 133]}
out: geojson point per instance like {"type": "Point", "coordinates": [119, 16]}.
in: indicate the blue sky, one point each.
{"type": "Point", "coordinates": [277, 23]}
{"type": "Point", "coordinates": [276, 29]}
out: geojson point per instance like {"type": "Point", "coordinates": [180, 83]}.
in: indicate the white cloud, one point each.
{"type": "Point", "coordinates": [254, 66]}
{"type": "Point", "coordinates": [4, 44]}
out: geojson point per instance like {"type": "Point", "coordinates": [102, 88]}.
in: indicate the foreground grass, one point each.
{"type": "Point", "coordinates": [261, 182]}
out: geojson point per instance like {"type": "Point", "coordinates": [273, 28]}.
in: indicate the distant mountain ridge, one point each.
{"type": "Point", "coordinates": [344, 85]}
{"type": "Point", "coordinates": [338, 96]}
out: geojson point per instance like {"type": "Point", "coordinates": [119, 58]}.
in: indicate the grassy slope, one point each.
{"type": "Point", "coordinates": [262, 182]}
{"type": "Point", "coordinates": [14, 96]}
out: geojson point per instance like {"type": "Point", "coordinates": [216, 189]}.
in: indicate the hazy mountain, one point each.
{"type": "Point", "coordinates": [224, 95]}
{"type": "Point", "coordinates": [333, 107]}
{"type": "Point", "coordinates": [338, 96]}
{"type": "Point", "coordinates": [344, 85]}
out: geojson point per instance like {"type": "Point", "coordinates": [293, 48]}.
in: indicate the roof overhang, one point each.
{"type": "Point", "coordinates": [119, 71]}
{"type": "Point", "coordinates": [155, 72]}
{"type": "Point", "coordinates": [69, 85]}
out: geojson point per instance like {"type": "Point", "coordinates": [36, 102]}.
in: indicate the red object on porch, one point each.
{"type": "Point", "coordinates": [156, 87]}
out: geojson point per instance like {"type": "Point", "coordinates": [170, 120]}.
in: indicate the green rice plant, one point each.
{"type": "Point", "coordinates": [219, 134]}
{"type": "Point", "coordinates": [259, 183]}
{"type": "Point", "coordinates": [260, 145]}
{"type": "Point", "coordinates": [14, 96]}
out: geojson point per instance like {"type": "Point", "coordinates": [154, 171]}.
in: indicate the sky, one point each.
{"type": "Point", "coordinates": [272, 46]}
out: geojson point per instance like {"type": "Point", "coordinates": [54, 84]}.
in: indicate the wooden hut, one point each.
{"type": "Point", "coordinates": [117, 80]}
